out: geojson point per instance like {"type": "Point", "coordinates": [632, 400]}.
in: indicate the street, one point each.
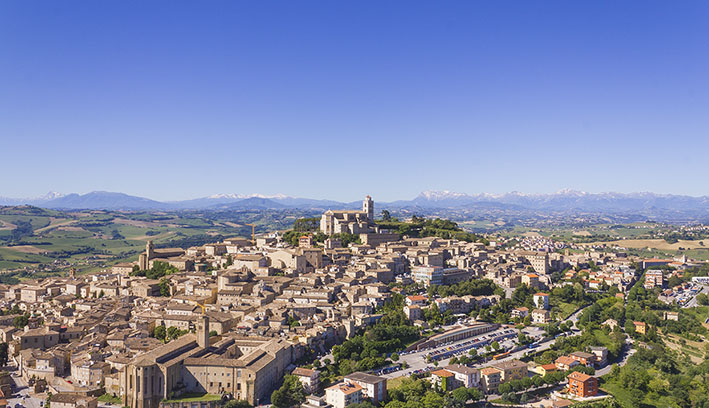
{"type": "Point", "coordinates": [693, 301]}
{"type": "Point", "coordinates": [21, 395]}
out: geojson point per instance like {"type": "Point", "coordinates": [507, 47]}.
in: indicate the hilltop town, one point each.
{"type": "Point", "coordinates": [347, 310]}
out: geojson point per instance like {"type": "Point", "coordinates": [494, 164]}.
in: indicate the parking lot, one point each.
{"type": "Point", "coordinates": [417, 360]}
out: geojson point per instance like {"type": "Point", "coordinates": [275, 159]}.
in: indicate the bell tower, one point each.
{"type": "Point", "coordinates": [203, 331]}
{"type": "Point", "coordinates": [368, 207]}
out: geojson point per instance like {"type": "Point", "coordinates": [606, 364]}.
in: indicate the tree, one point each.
{"type": "Point", "coordinates": [495, 345]}
{"type": "Point", "coordinates": [21, 321]}
{"type": "Point", "coordinates": [237, 404]}
{"type": "Point", "coordinates": [3, 354]}
{"type": "Point", "coordinates": [160, 333]}
{"type": "Point", "coordinates": [461, 394]}
{"type": "Point", "coordinates": [386, 215]}
{"type": "Point", "coordinates": [394, 357]}
{"type": "Point", "coordinates": [289, 394]}
{"type": "Point", "coordinates": [164, 286]}
{"type": "Point", "coordinates": [173, 333]}
{"type": "Point", "coordinates": [432, 400]}
{"type": "Point", "coordinates": [504, 388]}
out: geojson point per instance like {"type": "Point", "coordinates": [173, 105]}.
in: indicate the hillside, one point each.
{"type": "Point", "coordinates": [49, 241]}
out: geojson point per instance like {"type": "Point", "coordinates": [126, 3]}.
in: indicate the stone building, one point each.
{"type": "Point", "coordinates": [247, 368]}
{"type": "Point", "coordinates": [351, 222]}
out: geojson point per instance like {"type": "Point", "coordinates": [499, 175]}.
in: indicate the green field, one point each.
{"type": "Point", "coordinates": [189, 397]}
{"type": "Point", "coordinates": [42, 242]}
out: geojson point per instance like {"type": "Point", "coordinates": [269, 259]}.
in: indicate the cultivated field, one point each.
{"type": "Point", "coordinates": [659, 244]}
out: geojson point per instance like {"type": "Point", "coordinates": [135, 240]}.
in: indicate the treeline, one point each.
{"type": "Point", "coordinates": [658, 376]}
{"type": "Point", "coordinates": [293, 237]}
{"type": "Point", "coordinates": [420, 227]}
{"type": "Point", "coordinates": [23, 229]}
{"type": "Point", "coordinates": [190, 241]}
{"type": "Point", "coordinates": [159, 270]}
{"type": "Point", "coordinates": [475, 287]}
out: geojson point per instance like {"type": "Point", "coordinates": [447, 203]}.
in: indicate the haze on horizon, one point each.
{"type": "Point", "coordinates": [175, 100]}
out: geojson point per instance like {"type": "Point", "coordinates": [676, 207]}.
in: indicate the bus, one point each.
{"type": "Point", "coordinates": [500, 356]}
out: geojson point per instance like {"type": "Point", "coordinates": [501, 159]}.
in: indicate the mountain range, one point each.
{"type": "Point", "coordinates": [565, 200]}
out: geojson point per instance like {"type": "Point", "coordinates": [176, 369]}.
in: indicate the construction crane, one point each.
{"type": "Point", "coordinates": [201, 306]}
{"type": "Point", "coordinates": [253, 233]}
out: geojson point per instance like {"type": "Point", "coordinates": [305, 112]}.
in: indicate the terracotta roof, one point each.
{"type": "Point", "coordinates": [442, 373]}
{"type": "Point", "coordinates": [576, 375]}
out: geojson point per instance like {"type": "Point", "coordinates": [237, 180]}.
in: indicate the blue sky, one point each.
{"type": "Point", "coordinates": [332, 99]}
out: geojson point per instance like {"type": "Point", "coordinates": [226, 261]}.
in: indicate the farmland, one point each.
{"type": "Point", "coordinates": [48, 242]}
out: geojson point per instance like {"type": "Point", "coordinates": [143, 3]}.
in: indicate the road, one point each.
{"type": "Point", "coordinates": [693, 301]}
{"type": "Point", "coordinates": [21, 395]}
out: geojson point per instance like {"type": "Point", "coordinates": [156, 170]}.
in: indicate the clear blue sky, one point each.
{"type": "Point", "coordinates": [333, 99]}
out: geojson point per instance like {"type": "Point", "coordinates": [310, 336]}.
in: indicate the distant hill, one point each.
{"type": "Point", "coordinates": [562, 201]}
{"type": "Point", "coordinates": [251, 203]}
{"type": "Point", "coordinates": [103, 200]}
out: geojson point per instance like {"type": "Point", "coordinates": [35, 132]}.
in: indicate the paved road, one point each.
{"type": "Point", "coordinates": [693, 302]}
{"type": "Point", "coordinates": [21, 395]}
{"type": "Point", "coordinates": [626, 352]}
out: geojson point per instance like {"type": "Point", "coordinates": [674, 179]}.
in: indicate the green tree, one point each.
{"type": "Point", "coordinates": [432, 400]}
{"type": "Point", "coordinates": [21, 321]}
{"type": "Point", "coordinates": [394, 357]}
{"type": "Point", "coordinates": [3, 354]}
{"type": "Point", "coordinates": [289, 394]}
{"type": "Point", "coordinates": [504, 388]}
{"type": "Point", "coordinates": [160, 333]}
{"type": "Point", "coordinates": [164, 286]}
{"type": "Point", "coordinates": [173, 333]}
{"type": "Point", "coordinates": [461, 394]}
{"type": "Point", "coordinates": [237, 404]}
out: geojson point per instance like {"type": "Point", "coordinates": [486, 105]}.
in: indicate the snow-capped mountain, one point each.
{"type": "Point", "coordinates": [236, 196]}
{"type": "Point", "coordinates": [564, 200]}
{"type": "Point", "coordinates": [441, 195]}
{"type": "Point", "coordinates": [31, 200]}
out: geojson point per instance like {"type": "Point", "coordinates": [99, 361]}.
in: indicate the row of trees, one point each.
{"type": "Point", "coordinates": [167, 334]}
{"type": "Point", "coordinates": [473, 287]}
{"type": "Point", "coordinates": [427, 227]}
{"type": "Point", "coordinates": [159, 270]}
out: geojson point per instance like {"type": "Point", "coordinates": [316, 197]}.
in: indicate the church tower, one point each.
{"type": "Point", "coordinates": [144, 259]}
{"type": "Point", "coordinates": [203, 331]}
{"type": "Point", "coordinates": [149, 250]}
{"type": "Point", "coordinates": [368, 207]}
